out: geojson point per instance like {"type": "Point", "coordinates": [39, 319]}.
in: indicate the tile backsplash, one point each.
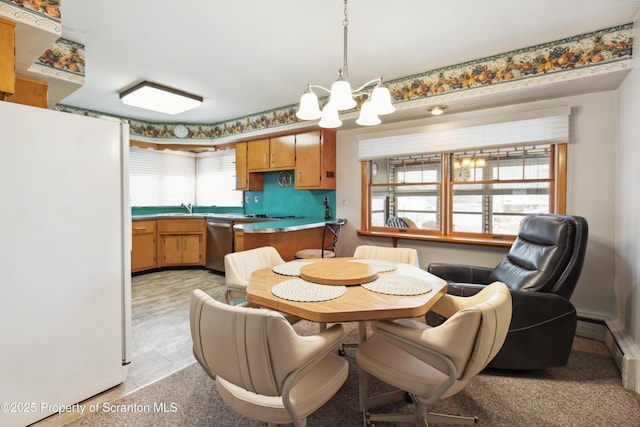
{"type": "Point", "coordinates": [280, 198]}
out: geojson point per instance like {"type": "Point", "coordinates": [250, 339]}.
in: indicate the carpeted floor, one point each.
{"type": "Point", "coordinates": [587, 392]}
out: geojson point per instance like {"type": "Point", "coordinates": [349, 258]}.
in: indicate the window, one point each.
{"type": "Point", "coordinates": [472, 195]}
{"type": "Point", "coordinates": [216, 179]}
{"type": "Point", "coordinates": [161, 178]}
{"type": "Point", "coordinates": [169, 178]}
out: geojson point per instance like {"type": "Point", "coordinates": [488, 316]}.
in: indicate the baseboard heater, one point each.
{"type": "Point", "coordinates": [625, 354]}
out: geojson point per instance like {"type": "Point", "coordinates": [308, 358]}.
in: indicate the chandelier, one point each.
{"type": "Point", "coordinates": [341, 97]}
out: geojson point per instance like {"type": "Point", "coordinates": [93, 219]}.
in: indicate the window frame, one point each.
{"type": "Point", "coordinates": [557, 203]}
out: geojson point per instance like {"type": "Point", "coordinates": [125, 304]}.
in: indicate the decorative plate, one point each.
{"type": "Point", "coordinates": [380, 265]}
{"type": "Point", "coordinates": [284, 179]}
{"type": "Point", "coordinates": [302, 291]}
{"type": "Point", "coordinates": [398, 285]}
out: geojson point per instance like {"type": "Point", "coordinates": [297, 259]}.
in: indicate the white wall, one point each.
{"type": "Point", "coordinates": [591, 185]}
{"type": "Point", "coordinates": [627, 232]}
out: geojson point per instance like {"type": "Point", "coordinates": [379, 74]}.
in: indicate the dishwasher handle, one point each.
{"type": "Point", "coordinates": [219, 224]}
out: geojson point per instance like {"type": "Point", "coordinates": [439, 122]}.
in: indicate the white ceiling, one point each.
{"type": "Point", "coordinates": [248, 56]}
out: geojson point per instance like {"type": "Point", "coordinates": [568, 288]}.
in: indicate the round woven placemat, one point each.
{"type": "Point", "coordinates": [398, 285]}
{"type": "Point", "coordinates": [380, 265]}
{"type": "Point", "coordinates": [302, 291]}
{"type": "Point", "coordinates": [291, 268]}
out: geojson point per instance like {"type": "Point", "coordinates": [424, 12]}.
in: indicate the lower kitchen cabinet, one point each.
{"type": "Point", "coordinates": [181, 242]}
{"type": "Point", "coordinates": [143, 245]}
{"type": "Point", "coordinates": [182, 250]}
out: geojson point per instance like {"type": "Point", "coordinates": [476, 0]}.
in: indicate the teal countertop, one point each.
{"type": "Point", "coordinates": [227, 216]}
{"type": "Point", "coordinates": [253, 224]}
{"type": "Point", "coordinates": [280, 225]}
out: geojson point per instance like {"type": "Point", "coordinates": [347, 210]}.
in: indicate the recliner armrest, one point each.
{"type": "Point", "coordinates": [534, 308]}
{"type": "Point", "coordinates": [461, 273]}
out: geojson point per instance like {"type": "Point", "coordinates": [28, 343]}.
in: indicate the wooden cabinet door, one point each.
{"type": "Point", "coordinates": [282, 152]}
{"type": "Point", "coordinates": [258, 154]}
{"type": "Point", "coordinates": [143, 245]}
{"type": "Point", "coordinates": [308, 160]}
{"type": "Point", "coordinates": [171, 249]}
{"type": "Point", "coordinates": [192, 249]}
{"type": "Point", "coordinates": [143, 252]}
{"type": "Point", "coordinates": [242, 176]}
{"type": "Point", "coordinates": [7, 58]}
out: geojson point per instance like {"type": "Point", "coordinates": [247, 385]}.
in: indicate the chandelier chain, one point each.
{"type": "Point", "coordinates": [345, 24]}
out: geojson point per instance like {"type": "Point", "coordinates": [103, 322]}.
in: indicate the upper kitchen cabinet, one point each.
{"type": "Point", "coordinates": [45, 62]}
{"type": "Point", "coordinates": [244, 180]}
{"type": "Point", "coordinates": [316, 160]}
{"type": "Point", "coordinates": [7, 58]}
{"type": "Point", "coordinates": [278, 153]}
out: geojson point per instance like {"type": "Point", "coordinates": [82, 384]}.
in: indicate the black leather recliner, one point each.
{"type": "Point", "coordinates": [541, 270]}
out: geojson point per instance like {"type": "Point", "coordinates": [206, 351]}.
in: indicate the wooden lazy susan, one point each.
{"type": "Point", "coordinates": [338, 272]}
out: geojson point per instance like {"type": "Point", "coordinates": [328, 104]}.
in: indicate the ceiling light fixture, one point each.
{"type": "Point", "coordinates": [341, 97]}
{"type": "Point", "coordinates": [155, 97]}
{"type": "Point", "coordinates": [437, 110]}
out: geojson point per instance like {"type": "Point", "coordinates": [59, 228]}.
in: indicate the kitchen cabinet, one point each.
{"type": "Point", "coordinates": [30, 92]}
{"type": "Point", "coordinates": [287, 242]}
{"type": "Point", "coordinates": [276, 153]}
{"type": "Point", "coordinates": [7, 58]}
{"type": "Point", "coordinates": [181, 242]}
{"type": "Point", "coordinates": [244, 179]}
{"type": "Point", "coordinates": [315, 167]}
{"type": "Point", "coordinates": [143, 245]}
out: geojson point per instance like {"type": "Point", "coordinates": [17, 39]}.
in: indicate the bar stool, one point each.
{"type": "Point", "coordinates": [327, 249]}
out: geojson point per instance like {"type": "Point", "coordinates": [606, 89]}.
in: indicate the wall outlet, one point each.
{"type": "Point", "coordinates": [256, 200]}
{"type": "Point", "coordinates": [247, 199]}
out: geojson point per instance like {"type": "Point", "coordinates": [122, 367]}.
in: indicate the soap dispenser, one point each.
{"type": "Point", "coordinates": [327, 211]}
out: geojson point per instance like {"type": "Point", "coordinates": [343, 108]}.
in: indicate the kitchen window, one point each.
{"type": "Point", "coordinates": [474, 192]}
{"type": "Point", "coordinates": [169, 178]}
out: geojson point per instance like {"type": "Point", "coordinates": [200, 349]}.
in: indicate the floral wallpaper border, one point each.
{"type": "Point", "coordinates": [598, 52]}
{"type": "Point", "coordinates": [43, 14]}
{"type": "Point", "coordinates": [64, 55]}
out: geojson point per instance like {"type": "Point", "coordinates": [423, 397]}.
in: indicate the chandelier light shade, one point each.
{"type": "Point", "coordinates": [341, 97]}
{"type": "Point", "coordinates": [155, 97]}
{"type": "Point", "coordinates": [329, 117]}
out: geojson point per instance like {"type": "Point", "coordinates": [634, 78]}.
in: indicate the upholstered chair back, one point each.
{"type": "Point", "coordinates": [475, 333]}
{"type": "Point", "coordinates": [404, 255]}
{"type": "Point", "coordinates": [253, 339]}
{"type": "Point", "coordinates": [547, 255]}
{"type": "Point", "coordinates": [238, 267]}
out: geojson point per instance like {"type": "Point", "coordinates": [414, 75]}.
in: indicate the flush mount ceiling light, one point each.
{"type": "Point", "coordinates": [155, 97]}
{"type": "Point", "coordinates": [341, 97]}
{"type": "Point", "coordinates": [437, 110]}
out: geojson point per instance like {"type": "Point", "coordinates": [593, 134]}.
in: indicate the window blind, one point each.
{"type": "Point", "coordinates": [549, 126]}
{"type": "Point", "coordinates": [161, 178]}
{"type": "Point", "coordinates": [215, 179]}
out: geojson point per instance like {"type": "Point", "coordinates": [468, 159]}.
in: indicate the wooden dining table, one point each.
{"type": "Point", "coordinates": [357, 304]}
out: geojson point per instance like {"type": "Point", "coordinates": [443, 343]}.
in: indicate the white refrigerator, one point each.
{"type": "Point", "coordinates": [65, 246]}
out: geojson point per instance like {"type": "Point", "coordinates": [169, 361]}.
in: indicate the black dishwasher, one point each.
{"type": "Point", "coordinates": [219, 242]}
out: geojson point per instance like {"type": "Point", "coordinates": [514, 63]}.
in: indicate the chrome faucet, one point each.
{"type": "Point", "coordinates": [188, 207]}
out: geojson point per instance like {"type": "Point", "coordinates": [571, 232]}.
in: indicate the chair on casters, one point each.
{"type": "Point", "coordinates": [238, 267]}
{"type": "Point", "coordinates": [262, 368]}
{"type": "Point", "coordinates": [434, 363]}
{"type": "Point", "coordinates": [327, 249]}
